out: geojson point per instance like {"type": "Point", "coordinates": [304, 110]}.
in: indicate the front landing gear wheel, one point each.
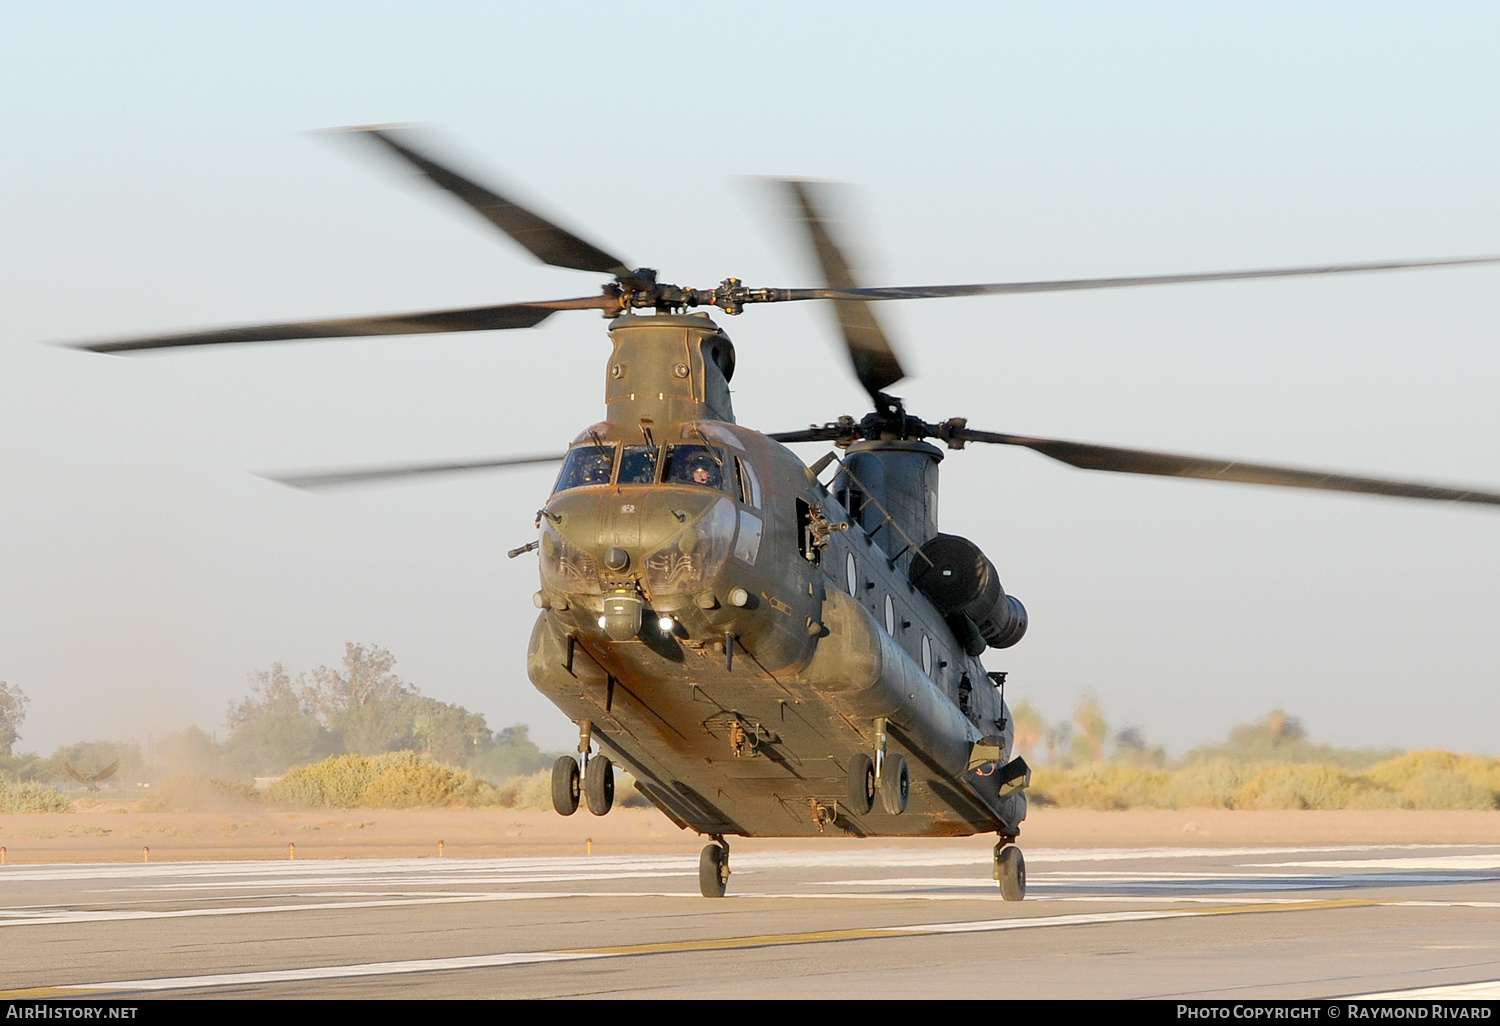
{"type": "Point", "coordinates": [565, 785]}
{"type": "Point", "coordinates": [713, 871]}
{"type": "Point", "coordinates": [1010, 872]}
{"type": "Point", "coordinates": [599, 785]}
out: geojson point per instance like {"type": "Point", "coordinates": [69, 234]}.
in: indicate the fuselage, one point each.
{"type": "Point", "coordinates": [730, 634]}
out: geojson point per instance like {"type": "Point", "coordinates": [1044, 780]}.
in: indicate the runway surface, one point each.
{"type": "Point", "coordinates": [1289, 922]}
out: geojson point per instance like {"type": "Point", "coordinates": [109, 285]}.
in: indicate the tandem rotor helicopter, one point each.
{"type": "Point", "coordinates": [770, 648]}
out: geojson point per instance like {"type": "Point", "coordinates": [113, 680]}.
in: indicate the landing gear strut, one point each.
{"type": "Point", "coordinates": [713, 868]}
{"type": "Point", "coordinates": [591, 777]}
{"type": "Point", "coordinates": [1010, 870]}
{"type": "Point", "coordinates": [886, 774]}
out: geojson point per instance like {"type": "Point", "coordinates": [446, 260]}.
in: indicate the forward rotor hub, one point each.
{"type": "Point", "coordinates": [641, 291]}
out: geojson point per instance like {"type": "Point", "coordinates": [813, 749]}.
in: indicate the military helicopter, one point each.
{"type": "Point", "coordinates": [770, 648]}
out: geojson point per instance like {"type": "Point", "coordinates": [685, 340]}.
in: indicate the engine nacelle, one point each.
{"type": "Point", "coordinates": [961, 581]}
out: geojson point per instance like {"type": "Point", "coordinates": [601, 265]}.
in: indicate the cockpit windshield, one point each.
{"type": "Point", "coordinates": [593, 464]}
{"type": "Point", "coordinates": [587, 465]}
{"type": "Point", "coordinates": [638, 464]}
{"type": "Point", "coordinates": [695, 465]}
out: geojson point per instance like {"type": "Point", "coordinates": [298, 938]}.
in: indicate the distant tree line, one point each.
{"type": "Point", "coordinates": [359, 708]}
{"type": "Point", "coordinates": [1087, 739]}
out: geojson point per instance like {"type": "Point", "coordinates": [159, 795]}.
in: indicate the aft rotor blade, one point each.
{"type": "Point", "coordinates": [1080, 284]}
{"type": "Point", "coordinates": [546, 241]}
{"type": "Point", "coordinates": [1141, 461]}
{"type": "Point", "coordinates": [330, 478]}
{"type": "Point", "coordinates": [812, 434]}
{"type": "Point", "coordinates": [875, 361]}
{"type": "Point", "coordinates": [474, 318]}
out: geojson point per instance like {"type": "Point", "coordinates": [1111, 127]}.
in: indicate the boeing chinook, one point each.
{"type": "Point", "coordinates": [770, 648]}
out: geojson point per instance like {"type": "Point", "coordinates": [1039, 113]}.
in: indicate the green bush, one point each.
{"type": "Point", "coordinates": [1435, 779]}
{"type": "Point", "coordinates": [1104, 786]}
{"type": "Point", "coordinates": [532, 791]}
{"type": "Point", "coordinates": [338, 782]}
{"type": "Point", "coordinates": [1209, 784]}
{"type": "Point", "coordinates": [1313, 786]}
{"type": "Point", "coordinates": [1441, 789]}
{"type": "Point", "coordinates": [420, 784]}
{"type": "Point", "coordinates": [31, 797]}
{"type": "Point", "coordinates": [396, 780]}
{"type": "Point", "coordinates": [1416, 780]}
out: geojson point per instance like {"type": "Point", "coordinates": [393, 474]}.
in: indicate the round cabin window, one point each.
{"type": "Point", "coordinates": [890, 616]}
{"type": "Point", "coordinates": [851, 574]}
{"type": "Point", "coordinates": [926, 655]}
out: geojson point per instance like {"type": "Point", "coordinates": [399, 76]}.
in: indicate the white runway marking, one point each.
{"type": "Point", "coordinates": [335, 972]}
{"type": "Point", "coordinates": [1469, 862]}
{"type": "Point", "coordinates": [1489, 991]}
{"type": "Point", "coordinates": [1447, 904]}
{"type": "Point", "coordinates": [62, 916]}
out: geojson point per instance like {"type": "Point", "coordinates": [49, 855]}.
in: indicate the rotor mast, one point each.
{"type": "Point", "coordinates": [667, 369]}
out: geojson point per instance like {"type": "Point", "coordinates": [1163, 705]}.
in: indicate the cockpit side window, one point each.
{"type": "Point", "coordinates": [638, 464]}
{"type": "Point", "coordinates": [696, 465]}
{"type": "Point", "coordinates": [749, 484]}
{"type": "Point", "coordinates": [587, 465]}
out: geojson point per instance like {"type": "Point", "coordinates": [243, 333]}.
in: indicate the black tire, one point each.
{"type": "Point", "coordinates": [861, 784]}
{"type": "Point", "coordinates": [895, 785]}
{"type": "Point", "coordinates": [711, 871]}
{"type": "Point", "coordinates": [565, 785]}
{"type": "Point", "coordinates": [599, 785]}
{"type": "Point", "coordinates": [1010, 872]}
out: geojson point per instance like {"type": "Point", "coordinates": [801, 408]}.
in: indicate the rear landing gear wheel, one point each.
{"type": "Point", "coordinates": [565, 785]}
{"type": "Point", "coordinates": [599, 785]}
{"type": "Point", "coordinates": [1010, 872]}
{"type": "Point", "coordinates": [713, 871]}
{"type": "Point", "coordinates": [895, 785]}
{"type": "Point", "coordinates": [861, 784]}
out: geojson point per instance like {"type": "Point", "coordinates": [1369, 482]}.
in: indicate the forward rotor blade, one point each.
{"type": "Point", "coordinates": [875, 361]}
{"type": "Point", "coordinates": [546, 241]}
{"type": "Point", "coordinates": [474, 318]}
{"type": "Point", "coordinates": [330, 478]}
{"type": "Point", "coordinates": [1080, 284]}
{"type": "Point", "coordinates": [1141, 461]}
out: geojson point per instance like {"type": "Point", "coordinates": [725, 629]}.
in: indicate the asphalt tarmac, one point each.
{"type": "Point", "coordinates": [872, 922]}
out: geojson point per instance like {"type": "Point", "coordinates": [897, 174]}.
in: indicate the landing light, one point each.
{"type": "Point", "coordinates": [601, 622]}
{"type": "Point", "coordinates": [666, 624]}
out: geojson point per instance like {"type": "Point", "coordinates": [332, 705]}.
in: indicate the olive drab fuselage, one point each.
{"type": "Point", "coordinates": [732, 635]}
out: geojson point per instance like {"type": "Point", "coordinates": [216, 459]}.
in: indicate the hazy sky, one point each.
{"type": "Point", "coordinates": [160, 172]}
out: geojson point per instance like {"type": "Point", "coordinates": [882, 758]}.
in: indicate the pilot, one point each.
{"type": "Point", "coordinates": [703, 473]}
